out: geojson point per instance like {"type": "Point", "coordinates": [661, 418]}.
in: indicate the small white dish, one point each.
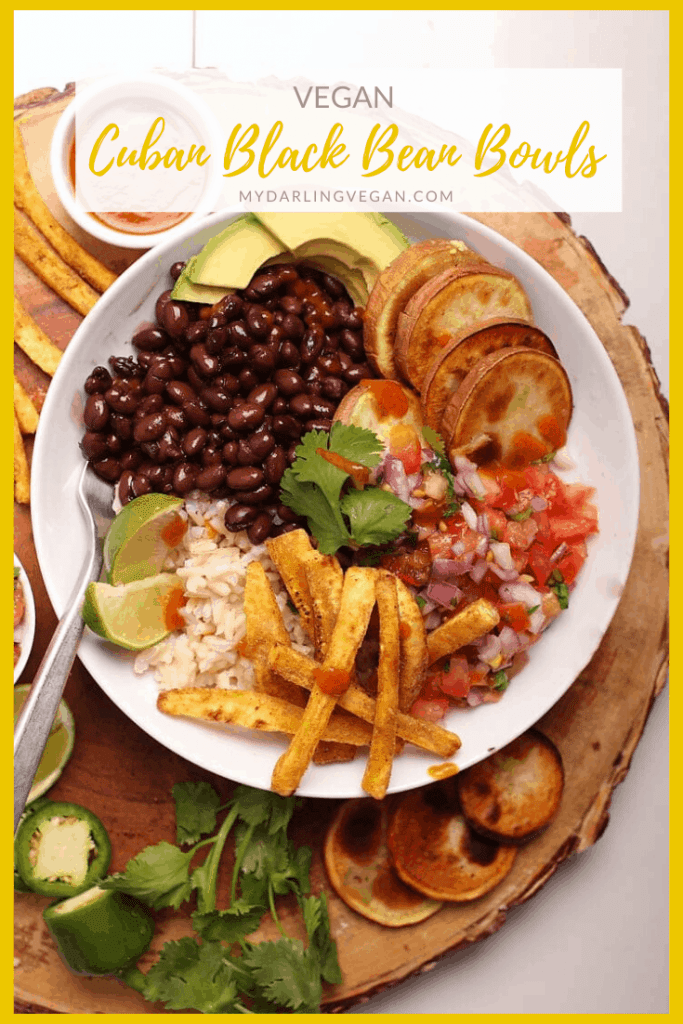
{"type": "Point", "coordinates": [25, 632]}
{"type": "Point", "coordinates": [601, 443]}
{"type": "Point", "coordinates": [161, 95]}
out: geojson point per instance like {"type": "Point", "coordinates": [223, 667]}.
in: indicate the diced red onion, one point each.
{"type": "Point", "coordinates": [483, 524]}
{"type": "Point", "coordinates": [509, 644]}
{"type": "Point", "coordinates": [538, 503]}
{"type": "Point", "coordinates": [562, 459]}
{"type": "Point", "coordinates": [445, 594]}
{"type": "Point", "coordinates": [463, 464]}
{"type": "Point", "coordinates": [520, 592]}
{"type": "Point", "coordinates": [444, 570]}
{"type": "Point", "coordinates": [395, 477]}
{"type": "Point", "coordinates": [469, 515]}
{"type": "Point", "coordinates": [458, 548]}
{"type": "Point", "coordinates": [432, 620]}
{"type": "Point", "coordinates": [459, 487]}
{"type": "Point", "coordinates": [536, 621]}
{"type": "Point", "coordinates": [474, 698]}
{"type": "Point", "coordinates": [428, 605]}
{"type": "Point", "coordinates": [559, 551]}
{"type": "Point", "coordinates": [472, 482]}
{"type": "Point", "coordinates": [501, 554]}
{"type": "Point", "coordinates": [489, 647]}
{"type": "Point", "coordinates": [506, 575]}
{"type": "Point", "coordinates": [482, 545]}
{"type": "Point", "coordinates": [478, 571]}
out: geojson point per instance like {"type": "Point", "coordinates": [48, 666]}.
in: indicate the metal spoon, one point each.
{"type": "Point", "coordinates": [37, 715]}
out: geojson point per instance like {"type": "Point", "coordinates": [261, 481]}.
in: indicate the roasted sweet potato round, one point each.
{"type": "Point", "coordinates": [513, 408]}
{"type": "Point", "coordinates": [435, 851]}
{"type": "Point", "coordinates": [396, 285]}
{"type": "Point", "coordinates": [360, 869]}
{"type": "Point", "coordinates": [446, 305]}
{"type": "Point", "coordinates": [451, 365]}
{"type": "Point", "coordinates": [513, 794]}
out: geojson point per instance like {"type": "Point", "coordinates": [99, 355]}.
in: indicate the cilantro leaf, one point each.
{"type": "Point", "coordinates": [501, 681]}
{"type": "Point", "coordinates": [519, 517]}
{"type": "Point", "coordinates": [188, 976]}
{"type": "Point", "coordinates": [231, 925]}
{"type": "Point", "coordinates": [308, 500]}
{"type": "Point", "coordinates": [196, 804]}
{"type": "Point", "coordinates": [286, 973]}
{"type": "Point", "coordinates": [434, 440]}
{"type": "Point", "coordinates": [356, 443]}
{"type": "Point", "coordinates": [317, 922]}
{"type": "Point", "coordinates": [562, 592]}
{"type": "Point", "coordinates": [375, 516]}
{"type": "Point", "coordinates": [159, 876]}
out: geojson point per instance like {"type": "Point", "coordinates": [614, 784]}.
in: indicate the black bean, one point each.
{"type": "Point", "coordinates": [140, 485]}
{"type": "Point", "coordinates": [197, 413]}
{"type": "Point", "coordinates": [108, 468]}
{"type": "Point", "coordinates": [239, 335]}
{"type": "Point", "coordinates": [263, 395]}
{"type": "Point", "coordinates": [149, 428]}
{"type": "Point", "coordinates": [329, 363]}
{"type": "Point", "coordinates": [151, 450]}
{"type": "Point", "coordinates": [288, 382]}
{"type": "Point", "coordinates": [264, 285]}
{"type": "Point", "coordinates": [124, 366]}
{"type": "Point", "coordinates": [176, 269]}
{"type": "Point", "coordinates": [283, 528]}
{"type": "Point", "coordinates": [205, 364]}
{"type": "Point", "coordinates": [216, 340]}
{"type": "Point", "coordinates": [211, 456]}
{"type": "Point", "coordinates": [217, 399]}
{"type": "Point", "coordinates": [291, 304]}
{"type": "Point", "coordinates": [210, 478]}
{"type": "Point", "coordinates": [334, 388]}
{"type": "Point", "coordinates": [288, 356]}
{"type": "Point", "coordinates": [333, 287]}
{"type": "Point", "coordinates": [121, 399]}
{"type": "Point", "coordinates": [230, 306]}
{"type": "Point", "coordinates": [286, 427]}
{"type": "Point", "coordinates": [345, 360]}
{"type": "Point", "coordinates": [259, 321]}
{"type": "Point", "coordinates": [158, 377]}
{"type": "Point", "coordinates": [260, 528]}
{"type": "Point", "coordinates": [152, 403]}
{"type": "Point", "coordinates": [318, 424]}
{"type": "Point", "coordinates": [291, 453]}
{"type": "Point", "coordinates": [93, 446]}
{"type": "Point", "coordinates": [98, 382]}
{"type": "Point", "coordinates": [194, 380]}
{"type": "Point", "coordinates": [261, 443]}
{"type": "Point", "coordinates": [293, 327]}
{"type": "Point", "coordinates": [131, 459]}
{"type": "Point", "coordinates": [312, 345]}
{"type": "Point", "coordinates": [238, 517]}
{"type": "Point", "coordinates": [156, 474]}
{"type": "Point", "coordinates": [179, 392]}
{"type": "Point", "coordinates": [245, 453]}
{"type": "Point", "coordinates": [302, 406]}
{"type": "Point", "coordinates": [229, 452]}
{"type": "Point", "coordinates": [262, 360]}
{"type": "Point", "coordinates": [184, 477]}
{"type": "Point", "coordinates": [227, 433]}
{"type": "Point", "coordinates": [227, 382]}
{"type": "Point", "coordinates": [246, 417]}
{"type": "Point", "coordinates": [287, 515]}
{"type": "Point", "coordinates": [274, 465]}
{"type": "Point", "coordinates": [279, 406]}
{"type": "Point", "coordinates": [275, 338]}
{"type": "Point", "coordinates": [313, 374]}
{"type": "Point", "coordinates": [194, 441]}
{"type": "Point", "coordinates": [356, 373]}
{"type": "Point", "coordinates": [259, 496]}
{"type": "Point", "coordinates": [175, 319]}
{"type": "Point", "coordinates": [176, 362]}
{"type": "Point", "coordinates": [196, 331]}
{"type": "Point", "coordinates": [114, 444]}
{"type": "Point", "coordinates": [233, 358]}
{"type": "Point", "coordinates": [150, 339]}
{"type": "Point", "coordinates": [354, 319]}
{"type": "Point", "coordinates": [244, 478]}
{"type": "Point", "coordinates": [161, 304]}
{"type": "Point", "coordinates": [169, 449]}
{"type": "Point", "coordinates": [248, 380]}
{"type": "Point", "coordinates": [175, 417]}
{"type": "Point", "coordinates": [96, 412]}
{"type": "Point", "coordinates": [352, 342]}
{"type": "Point", "coordinates": [124, 487]}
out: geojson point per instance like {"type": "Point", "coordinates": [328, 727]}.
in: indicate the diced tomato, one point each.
{"type": "Point", "coordinates": [456, 680]}
{"type": "Point", "coordinates": [497, 523]}
{"type": "Point", "coordinates": [413, 567]}
{"type": "Point", "coordinates": [571, 527]}
{"type": "Point", "coordinates": [571, 563]}
{"type": "Point", "coordinates": [521, 535]}
{"type": "Point", "coordinates": [458, 530]}
{"type": "Point", "coordinates": [539, 563]}
{"type": "Point", "coordinates": [514, 615]}
{"type": "Point", "coordinates": [430, 710]}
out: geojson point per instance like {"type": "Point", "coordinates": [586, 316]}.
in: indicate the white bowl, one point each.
{"type": "Point", "coordinates": [601, 441]}
{"type": "Point", "coordinates": [91, 104]}
{"type": "Point", "coordinates": [26, 630]}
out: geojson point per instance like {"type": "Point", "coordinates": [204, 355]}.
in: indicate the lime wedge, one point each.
{"type": "Point", "coordinates": [139, 538]}
{"type": "Point", "coordinates": [135, 615]}
{"type": "Point", "coordinates": [57, 749]}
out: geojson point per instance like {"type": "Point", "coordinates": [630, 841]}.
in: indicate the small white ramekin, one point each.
{"type": "Point", "coordinates": [161, 90]}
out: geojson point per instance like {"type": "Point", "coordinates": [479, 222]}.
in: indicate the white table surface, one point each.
{"type": "Point", "coordinates": [595, 938]}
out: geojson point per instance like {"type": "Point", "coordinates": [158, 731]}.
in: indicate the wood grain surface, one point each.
{"type": "Point", "coordinates": [125, 777]}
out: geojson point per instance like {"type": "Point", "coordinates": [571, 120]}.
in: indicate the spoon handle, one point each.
{"type": "Point", "coordinates": [37, 715]}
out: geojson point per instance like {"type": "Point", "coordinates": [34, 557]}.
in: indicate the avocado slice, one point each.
{"type": "Point", "coordinates": [328, 248]}
{"type": "Point", "coordinates": [230, 258]}
{"type": "Point", "coordinates": [186, 290]}
{"type": "Point", "coordinates": [353, 280]}
{"type": "Point", "coordinates": [371, 236]}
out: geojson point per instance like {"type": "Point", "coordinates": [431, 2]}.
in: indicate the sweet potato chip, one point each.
{"type": "Point", "coordinates": [472, 622]}
{"type": "Point", "coordinates": [265, 627]}
{"type": "Point", "coordinates": [32, 248]}
{"type": "Point", "coordinates": [27, 414]}
{"type": "Point", "coordinates": [288, 553]}
{"type": "Point", "coordinates": [34, 342]}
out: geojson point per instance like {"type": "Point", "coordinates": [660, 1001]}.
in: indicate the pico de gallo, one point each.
{"type": "Point", "coordinates": [515, 537]}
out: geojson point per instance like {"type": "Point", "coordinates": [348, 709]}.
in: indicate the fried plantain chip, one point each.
{"type": "Point", "coordinates": [28, 199]}
{"type": "Point", "coordinates": [265, 627]}
{"type": "Point", "coordinates": [378, 767]}
{"type": "Point", "coordinates": [414, 653]}
{"type": "Point", "coordinates": [22, 488]}
{"type": "Point", "coordinates": [34, 342]}
{"type": "Point", "coordinates": [357, 602]}
{"type": "Point", "coordinates": [472, 622]}
{"type": "Point", "coordinates": [300, 669]}
{"type": "Point", "coordinates": [253, 710]}
{"type": "Point", "coordinates": [32, 248]}
{"type": "Point", "coordinates": [27, 414]}
{"type": "Point", "coordinates": [359, 867]}
{"type": "Point", "coordinates": [435, 851]}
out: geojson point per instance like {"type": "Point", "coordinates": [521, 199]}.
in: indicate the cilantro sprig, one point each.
{"type": "Point", "coordinates": [220, 970]}
{"type": "Point", "coordinates": [314, 488]}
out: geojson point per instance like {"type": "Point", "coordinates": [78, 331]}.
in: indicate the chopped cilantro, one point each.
{"type": "Point", "coordinates": [562, 592]}
{"type": "Point", "coordinates": [495, 534]}
{"type": "Point", "coordinates": [548, 457]}
{"type": "Point", "coordinates": [434, 440]}
{"type": "Point", "coordinates": [420, 602]}
{"type": "Point", "coordinates": [501, 681]}
{"type": "Point", "coordinates": [292, 607]}
{"type": "Point", "coordinates": [519, 517]}
{"type": "Point", "coordinates": [375, 516]}
{"type": "Point", "coordinates": [535, 608]}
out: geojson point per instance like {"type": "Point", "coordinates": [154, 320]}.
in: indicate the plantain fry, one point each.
{"type": "Point", "coordinates": [32, 248]}
{"type": "Point", "coordinates": [357, 602]}
{"type": "Point", "coordinates": [381, 756]}
{"type": "Point", "coordinates": [287, 553]}
{"type": "Point", "coordinates": [299, 669]}
{"type": "Point", "coordinates": [34, 342]}
{"type": "Point", "coordinates": [27, 414]}
{"type": "Point", "coordinates": [265, 627]}
{"type": "Point", "coordinates": [472, 622]}
{"type": "Point", "coordinates": [22, 488]}
{"type": "Point", "coordinates": [414, 654]}
{"type": "Point", "coordinates": [252, 710]}
{"type": "Point", "coordinates": [28, 199]}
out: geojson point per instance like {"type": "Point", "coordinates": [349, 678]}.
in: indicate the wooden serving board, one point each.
{"type": "Point", "coordinates": [125, 777]}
